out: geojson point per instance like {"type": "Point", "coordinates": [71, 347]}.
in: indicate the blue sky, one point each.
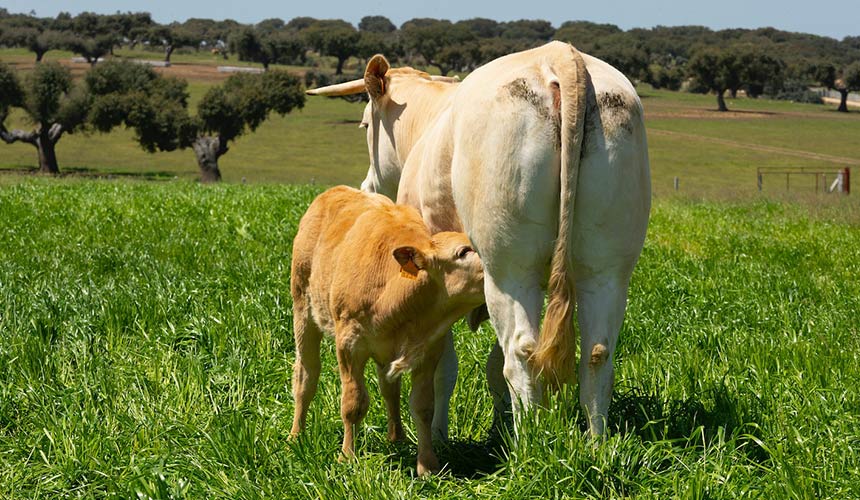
{"type": "Point", "coordinates": [835, 18]}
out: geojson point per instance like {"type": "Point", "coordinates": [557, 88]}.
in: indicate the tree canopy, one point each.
{"type": "Point", "coordinates": [441, 43]}
{"type": "Point", "coordinates": [376, 24]}
{"type": "Point", "coordinates": [172, 37]}
{"type": "Point", "coordinates": [660, 55]}
{"type": "Point", "coordinates": [733, 69]}
{"type": "Point", "coordinates": [267, 47]}
{"type": "Point", "coordinates": [156, 108]}
{"type": "Point", "coordinates": [10, 91]}
{"type": "Point", "coordinates": [52, 102]}
{"type": "Point", "coordinates": [334, 38]}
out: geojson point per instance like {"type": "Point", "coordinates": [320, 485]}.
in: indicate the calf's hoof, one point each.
{"type": "Point", "coordinates": [396, 435]}
{"type": "Point", "coordinates": [428, 466]}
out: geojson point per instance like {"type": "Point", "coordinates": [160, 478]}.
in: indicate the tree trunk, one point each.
{"type": "Point", "coordinates": [721, 102]}
{"type": "Point", "coordinates": [266, 66]}
{"type": "Point", "coordinates": [39, 56]}
{"type": "Point", "coordinates": [168, 51]}
{"type": "Point", "coordinates": [340, 62]}
{"type": "Point", "coordinates": [208, 149]}
{"type": "Point", "coordinates": [46, 144]}
{"type": "Point", "coordinates": [44, 140]}
{"type": "Point", "coordinates": [843, 101]}
{"type": "Point", "coordinates": [47, 157]}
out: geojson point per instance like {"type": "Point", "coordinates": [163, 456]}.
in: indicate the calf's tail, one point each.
{"type": "Point", "coordinates": [555, 355]}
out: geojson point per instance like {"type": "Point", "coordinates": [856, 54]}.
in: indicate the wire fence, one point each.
{"type": "Point", "coordinates": [826, 180]}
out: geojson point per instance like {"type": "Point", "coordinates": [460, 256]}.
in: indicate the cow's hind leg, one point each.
{"type": "Point", "coordinates": [306, 370]}
{"type": "Point", "coordinates": [515, 304]}
{"type": "Point", "coordinates": [601, 301]}
{"type": "Point", "coordinates": [498, 388]}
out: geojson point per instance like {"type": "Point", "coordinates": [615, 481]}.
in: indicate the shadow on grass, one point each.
{"type": "Point", "coordinates": [90, 173]}
{"type": "Point", "coordinates": [461, 458]}
{"type": "Point", "coordinates": [738, 113]}
{"type": "Point", "coordinates": [344, 122]}
{"type": "Point", "coordinates": [467, 459]}
{"type": "Point", "coordinates": [689, 423]}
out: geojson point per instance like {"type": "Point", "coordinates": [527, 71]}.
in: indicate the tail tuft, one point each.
{"type": "Point", "coordinates": [555, 356]}
{"type": "Point", "coordinates": [397, 368]}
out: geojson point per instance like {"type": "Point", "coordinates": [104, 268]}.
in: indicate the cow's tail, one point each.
{"type": "Point", "coordinates": [555, 355]}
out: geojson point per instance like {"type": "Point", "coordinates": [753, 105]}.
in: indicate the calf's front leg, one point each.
{"type": "Point", "coordinates": [421, 403]}
{"type": "Point", "coordinates": [390, 390]}
{"type": "Point", "coordinates": [354, 400]}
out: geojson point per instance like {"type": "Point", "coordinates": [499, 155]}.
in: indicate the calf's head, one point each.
{"type": "Point", "coordinates": [450, 263]}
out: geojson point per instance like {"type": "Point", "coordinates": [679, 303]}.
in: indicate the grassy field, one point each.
{"type": "Point", "coordinates": [146, 346]}
{"type": "Point", "coordinates": [145, 327]}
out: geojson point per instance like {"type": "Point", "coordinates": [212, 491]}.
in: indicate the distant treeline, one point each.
{"type": "Point", "coordinates": [759, 61]}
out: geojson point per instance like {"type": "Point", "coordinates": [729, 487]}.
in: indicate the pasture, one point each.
{"type": "Point", "coordinates": [146, 346]}
{"type": "Point", "coordinates": [714, 154]}
{"type": "Point", "coordinates": [146, 338]}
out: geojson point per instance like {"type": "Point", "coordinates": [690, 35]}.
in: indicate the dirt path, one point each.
{"type": "Point", "coordinates": [835, 101]}
{"type": "Point", "coordinates": [667, 110]}
{"type": "Point", "coordinates": [841, 160]}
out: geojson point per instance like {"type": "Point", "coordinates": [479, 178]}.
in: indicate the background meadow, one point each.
{"type": "Point", "coordinates": [146, 335]}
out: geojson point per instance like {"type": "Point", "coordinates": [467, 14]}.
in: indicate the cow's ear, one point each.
{"type": "Point", "coordinates": [411, 261]}
{"type": "Point", "coordinates": [374, 76]}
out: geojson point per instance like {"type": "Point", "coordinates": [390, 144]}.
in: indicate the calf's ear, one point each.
{"type": "Point", "coordinates": [374, 76]}
{"type": "Point", "coordinates": [411, 261]}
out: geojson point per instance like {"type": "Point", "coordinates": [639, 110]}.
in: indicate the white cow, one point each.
{"type": "Point", "coordinates": [541, 158]}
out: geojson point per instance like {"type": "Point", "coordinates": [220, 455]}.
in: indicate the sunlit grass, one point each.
{"type": "Point", "coordinates": [146, 346]}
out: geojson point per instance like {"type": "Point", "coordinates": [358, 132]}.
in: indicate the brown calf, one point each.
{"type": "Point", "coordinates": [369, 272]}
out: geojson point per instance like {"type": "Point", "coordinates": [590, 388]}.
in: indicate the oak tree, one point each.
{"type": "Point", "coordinates": [52, 103]}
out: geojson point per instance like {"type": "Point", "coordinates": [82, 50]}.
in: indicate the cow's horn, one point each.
{"type": "Point", "coordinates": [346, 88]}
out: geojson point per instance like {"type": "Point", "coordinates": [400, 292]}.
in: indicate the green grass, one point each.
{"type": "Point", "coordinates": [146, 346]}
{"type": "Point", "coordinates": [712, 169]}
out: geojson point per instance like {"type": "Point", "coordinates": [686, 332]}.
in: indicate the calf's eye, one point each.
{"type": "Point", "coordinates": [463, 251]}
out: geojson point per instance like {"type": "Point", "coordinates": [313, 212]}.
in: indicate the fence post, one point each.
{"type": "Point", "coordinates": [759, 181]}
{"type": "Point", "coordinates": [677, 183]}
{"type": "Point", "coordinates": [846, 180]}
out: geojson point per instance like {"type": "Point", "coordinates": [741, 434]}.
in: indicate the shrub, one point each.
{"type": "Point", "coordinates": [796, 91]}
